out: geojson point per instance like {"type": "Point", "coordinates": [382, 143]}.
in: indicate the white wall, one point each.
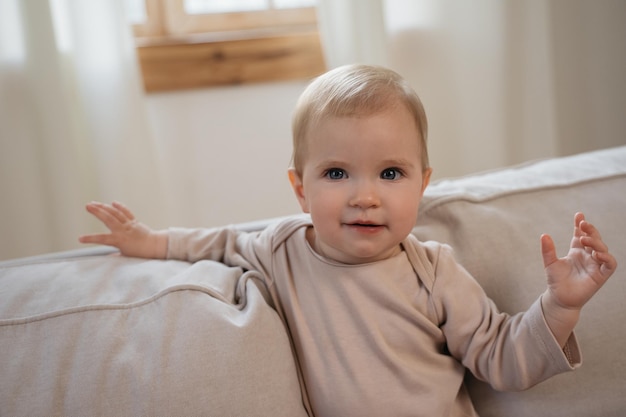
{"type": "Point", "coordinates": [224, 152]}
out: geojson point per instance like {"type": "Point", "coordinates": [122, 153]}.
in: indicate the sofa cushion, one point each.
{"type": "Point", "coordinates": [108, 335]}
{"type": "Point", "coordinates": [494, 220]}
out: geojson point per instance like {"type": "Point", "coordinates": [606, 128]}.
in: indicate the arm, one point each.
{"type": "Point", "coordinates": [575, 278]}
{"type": "Point", "coordinates": [511, 353]}
{"type": "Point", "coordinates": [131, 237]}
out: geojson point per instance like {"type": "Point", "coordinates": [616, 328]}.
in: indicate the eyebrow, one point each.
{"type": "Point", "coordinates": [327, 163]}
{"type": "Point", "coordinates": [400, 162]}
{"type": "Point", "coordinates": [387, 163]}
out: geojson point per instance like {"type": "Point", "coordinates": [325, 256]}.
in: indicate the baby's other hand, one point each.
{"type": "Point", "coordinates": [127, 234]}
{"type": "Point", "coordinates": [575, 278]}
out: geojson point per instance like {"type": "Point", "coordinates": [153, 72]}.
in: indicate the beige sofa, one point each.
{"type": "Point", "coordinates": [90, 333]}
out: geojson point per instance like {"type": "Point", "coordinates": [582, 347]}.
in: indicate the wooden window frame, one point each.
{"type": "Point", "coordinates": [176, 51]}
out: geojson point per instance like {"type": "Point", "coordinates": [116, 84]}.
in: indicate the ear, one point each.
{"type": "Point", "coordinates": [298, 188]}
{"type": "Point", "coordinates": [426, 179]}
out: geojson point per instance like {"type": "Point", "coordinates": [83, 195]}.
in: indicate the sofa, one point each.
{"type": "Point", "coordinates": [91, 333]}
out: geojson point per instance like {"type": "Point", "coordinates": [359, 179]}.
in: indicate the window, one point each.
{"type": "Point", "coordinates": [198, 43]}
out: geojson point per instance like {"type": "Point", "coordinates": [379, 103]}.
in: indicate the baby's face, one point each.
{"type": "Point", "coordinates": [362, 182]}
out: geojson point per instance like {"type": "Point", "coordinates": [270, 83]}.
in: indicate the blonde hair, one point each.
{"type": "Point", "coordinates": [354, 90]}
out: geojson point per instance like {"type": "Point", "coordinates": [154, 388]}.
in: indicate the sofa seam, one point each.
{"type": "Point", "coordinates": [120, 307]}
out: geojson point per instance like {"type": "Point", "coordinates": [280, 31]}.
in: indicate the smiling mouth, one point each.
{"type": "Point", "coordinates": [364, 226]}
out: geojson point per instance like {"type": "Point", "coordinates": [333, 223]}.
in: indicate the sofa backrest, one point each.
{"type": "Point", "coordinates": [493, 222]}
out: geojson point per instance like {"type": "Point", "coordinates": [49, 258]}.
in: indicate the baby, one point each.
{"type": "Point", "coordinates": [381, 323]}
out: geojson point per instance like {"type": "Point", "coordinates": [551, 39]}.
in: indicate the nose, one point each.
{"type": "Point", "coordinates": [365, 195]}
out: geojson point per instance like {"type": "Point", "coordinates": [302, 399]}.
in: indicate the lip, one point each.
{"type": "Point", "coordinates": [364, 226]}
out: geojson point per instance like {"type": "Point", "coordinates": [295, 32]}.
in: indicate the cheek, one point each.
{"type": "Point", "coordinates": [405, 209]}
{"type": "Point", "coordinates": [324, 206]}
{"type": "Point", "coordinates": [324, 203]}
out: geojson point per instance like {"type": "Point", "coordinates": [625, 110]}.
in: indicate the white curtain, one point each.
{"type": "Point", "coordinates": [72, 122]}
{"type": "Point", "coordinates": [352, 31]}
{"type": "Point", "coordinates": [503, 81]}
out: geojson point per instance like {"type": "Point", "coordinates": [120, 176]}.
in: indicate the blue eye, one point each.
{"type": "Point", "coordinates": [390, 174]}
{"type": "Point", "coordinates": [335, 174]}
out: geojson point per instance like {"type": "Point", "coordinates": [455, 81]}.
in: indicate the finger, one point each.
{"type": "Point", "coordinates": [118, 211]}
{"type": "Point", "coordinates": [595, 244]}
{"type": "Point", "coordinates": [583, 230]}
{"type": "Point", "coordinates": [609, 263]}
{"type": "Point", "coordinates": [589, 229]}
{"type": "Point", "coordinates": [548, 250]}
{"type": "Point", "coordinates": [106, 215]}
{"type": "Point", "coordinates": [591, 238]}
{"type": "Point", "coordinates": [578, 219]}
{"type": "Point", "coordinates": [600, 253]}
{"type": "Point", "coordinates": [604, 257]}
{"type": "Point", "coordinates": [125, 210]}
{"type": "Point", "coordinates": [100, 239]}
{"type": "Point", "coordinates": [97, 209]}
{"type": "Point", "coordinates": [115, 212]}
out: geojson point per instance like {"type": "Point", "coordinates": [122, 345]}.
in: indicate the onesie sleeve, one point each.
{"type": "Point", "coordinates": [509, 352]}
{"type": "Point", "coordinates": [227, 245]}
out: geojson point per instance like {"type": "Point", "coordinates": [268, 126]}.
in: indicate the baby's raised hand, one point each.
{"type": "Point", "coordinates": [127, 234]}
{"type": "Point", "coordinates": [575, 278]}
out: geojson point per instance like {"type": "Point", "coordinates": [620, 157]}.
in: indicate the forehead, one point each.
{"type": "Point", "coordinates": [389, 134]}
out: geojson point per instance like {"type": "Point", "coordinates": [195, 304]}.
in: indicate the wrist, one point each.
{"type": "Point", "coordinates": [160, 240]}
{"type": "Point", "coordinates": [560, 319]}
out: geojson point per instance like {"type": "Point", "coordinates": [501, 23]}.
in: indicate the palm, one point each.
{"type": "Point", "coordinates": [575, 278]}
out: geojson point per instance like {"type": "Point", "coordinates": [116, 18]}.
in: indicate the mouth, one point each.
{"type": "Point", "coordinates": [365, 226]}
